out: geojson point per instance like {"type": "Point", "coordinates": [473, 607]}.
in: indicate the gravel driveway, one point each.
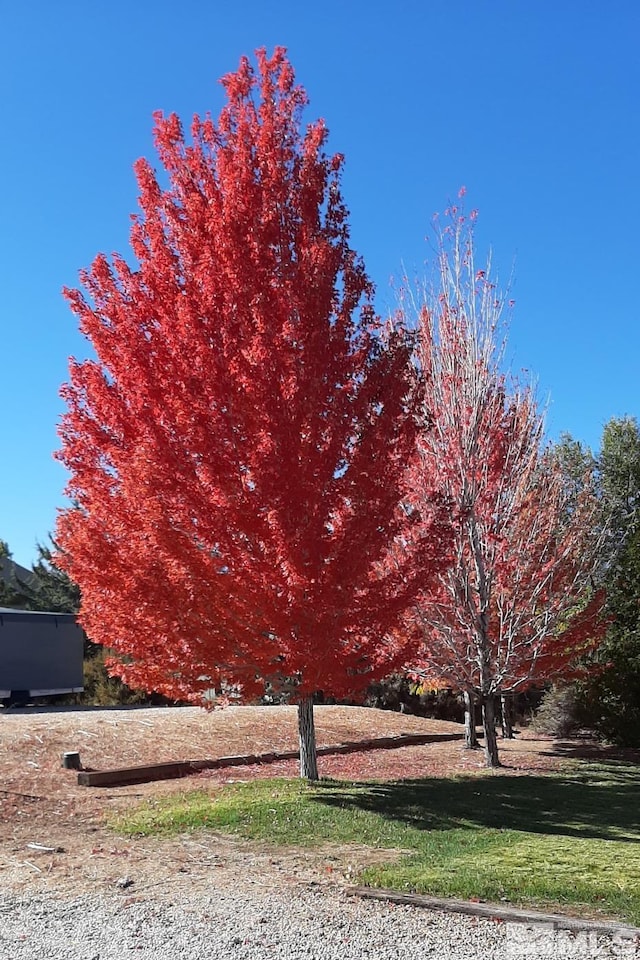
{"type": "Point", "coordinates": [253, 922]}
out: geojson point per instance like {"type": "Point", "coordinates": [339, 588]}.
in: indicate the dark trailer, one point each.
{"type": "Point", "coordinates": [41, 654]}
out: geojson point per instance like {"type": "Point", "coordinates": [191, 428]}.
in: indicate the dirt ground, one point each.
{"type": "Point", "coordinates": [52, 832]}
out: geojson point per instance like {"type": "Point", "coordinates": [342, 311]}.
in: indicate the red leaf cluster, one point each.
{"type": "Point", "coordinates": [516, 606]}
{"type": "Point", "coordinates": [237, 448]}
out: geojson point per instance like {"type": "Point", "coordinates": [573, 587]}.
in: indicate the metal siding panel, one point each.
{"type": "Point", "coordinates": [40, 652]}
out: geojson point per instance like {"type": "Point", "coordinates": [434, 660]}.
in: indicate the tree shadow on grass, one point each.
{"type": "Point", "coordinates": [593, 750]}
{"type": "Point", "coordinates": [598, 803]}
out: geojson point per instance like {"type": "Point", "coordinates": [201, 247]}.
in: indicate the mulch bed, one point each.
{"type": "Point", "coordinates": [42, 804]}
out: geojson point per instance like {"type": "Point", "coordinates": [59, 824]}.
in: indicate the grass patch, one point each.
{"type": "Point", "coordinates": [569, 841]}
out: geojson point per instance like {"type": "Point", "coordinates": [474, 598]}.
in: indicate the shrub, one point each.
{"type": "Point", "coordinates": [558, 714]}
{"type": "Point", "coordinates": [101, 690]}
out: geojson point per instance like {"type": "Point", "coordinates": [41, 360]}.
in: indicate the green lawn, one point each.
{"type": "Point", "coordinates": [569, 841]}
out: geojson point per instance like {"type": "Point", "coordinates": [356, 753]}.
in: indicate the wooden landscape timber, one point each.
{"type": "Point", "coordinates": [183, 768]}
{"type": "Point", "coordinates": [503, 912]}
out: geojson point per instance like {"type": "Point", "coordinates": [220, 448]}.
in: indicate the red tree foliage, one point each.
{"type": "Point", "coordinates": [237, 448]}
{"type": "Point", "coordinates": [516, 607]}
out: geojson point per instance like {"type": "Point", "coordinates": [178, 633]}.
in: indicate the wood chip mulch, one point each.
{"type": "Point", "coordinates": [42, 806]}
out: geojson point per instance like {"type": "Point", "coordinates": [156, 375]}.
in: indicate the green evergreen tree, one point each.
{"type": "Point", "coordinates": [45, 587]}
{"type": "Point", "coordinates": [612, 695]}
{"type": "Point", "coordinates": [13, 592]}
{"type": "Point", "coordinates": [577, 464]}
{"type": "Point", "coordinates": [609, 700]}
{"type": "Point", "coordinates": [52, 589]}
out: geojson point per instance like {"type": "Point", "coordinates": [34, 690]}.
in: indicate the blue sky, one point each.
{"type": "Point", "coordinates": [533, 106]}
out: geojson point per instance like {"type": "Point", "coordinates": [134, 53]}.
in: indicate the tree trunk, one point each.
{"type": "Point", "coordinates": [470, 739]}
{"type": "Point", "coordinates": [489, 726]}
{"type": "Point", "coordinates": [307, 736]}
{"type": "Point", "coordinates": [506, 705]}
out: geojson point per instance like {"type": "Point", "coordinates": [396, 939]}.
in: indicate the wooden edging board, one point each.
{"type": "Point", "coordinates": [494, 911]}
{"type": "Point", "coordinates": [182, 768]}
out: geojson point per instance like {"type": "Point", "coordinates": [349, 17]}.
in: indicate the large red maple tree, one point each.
{"type": "Point", "coordinates": [516, 607]}
{"type": "Point", "coordinates": [237, 447]}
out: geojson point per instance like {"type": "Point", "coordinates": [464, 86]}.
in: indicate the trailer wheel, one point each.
{"type": "Point", "coordinates": [18, 698]}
